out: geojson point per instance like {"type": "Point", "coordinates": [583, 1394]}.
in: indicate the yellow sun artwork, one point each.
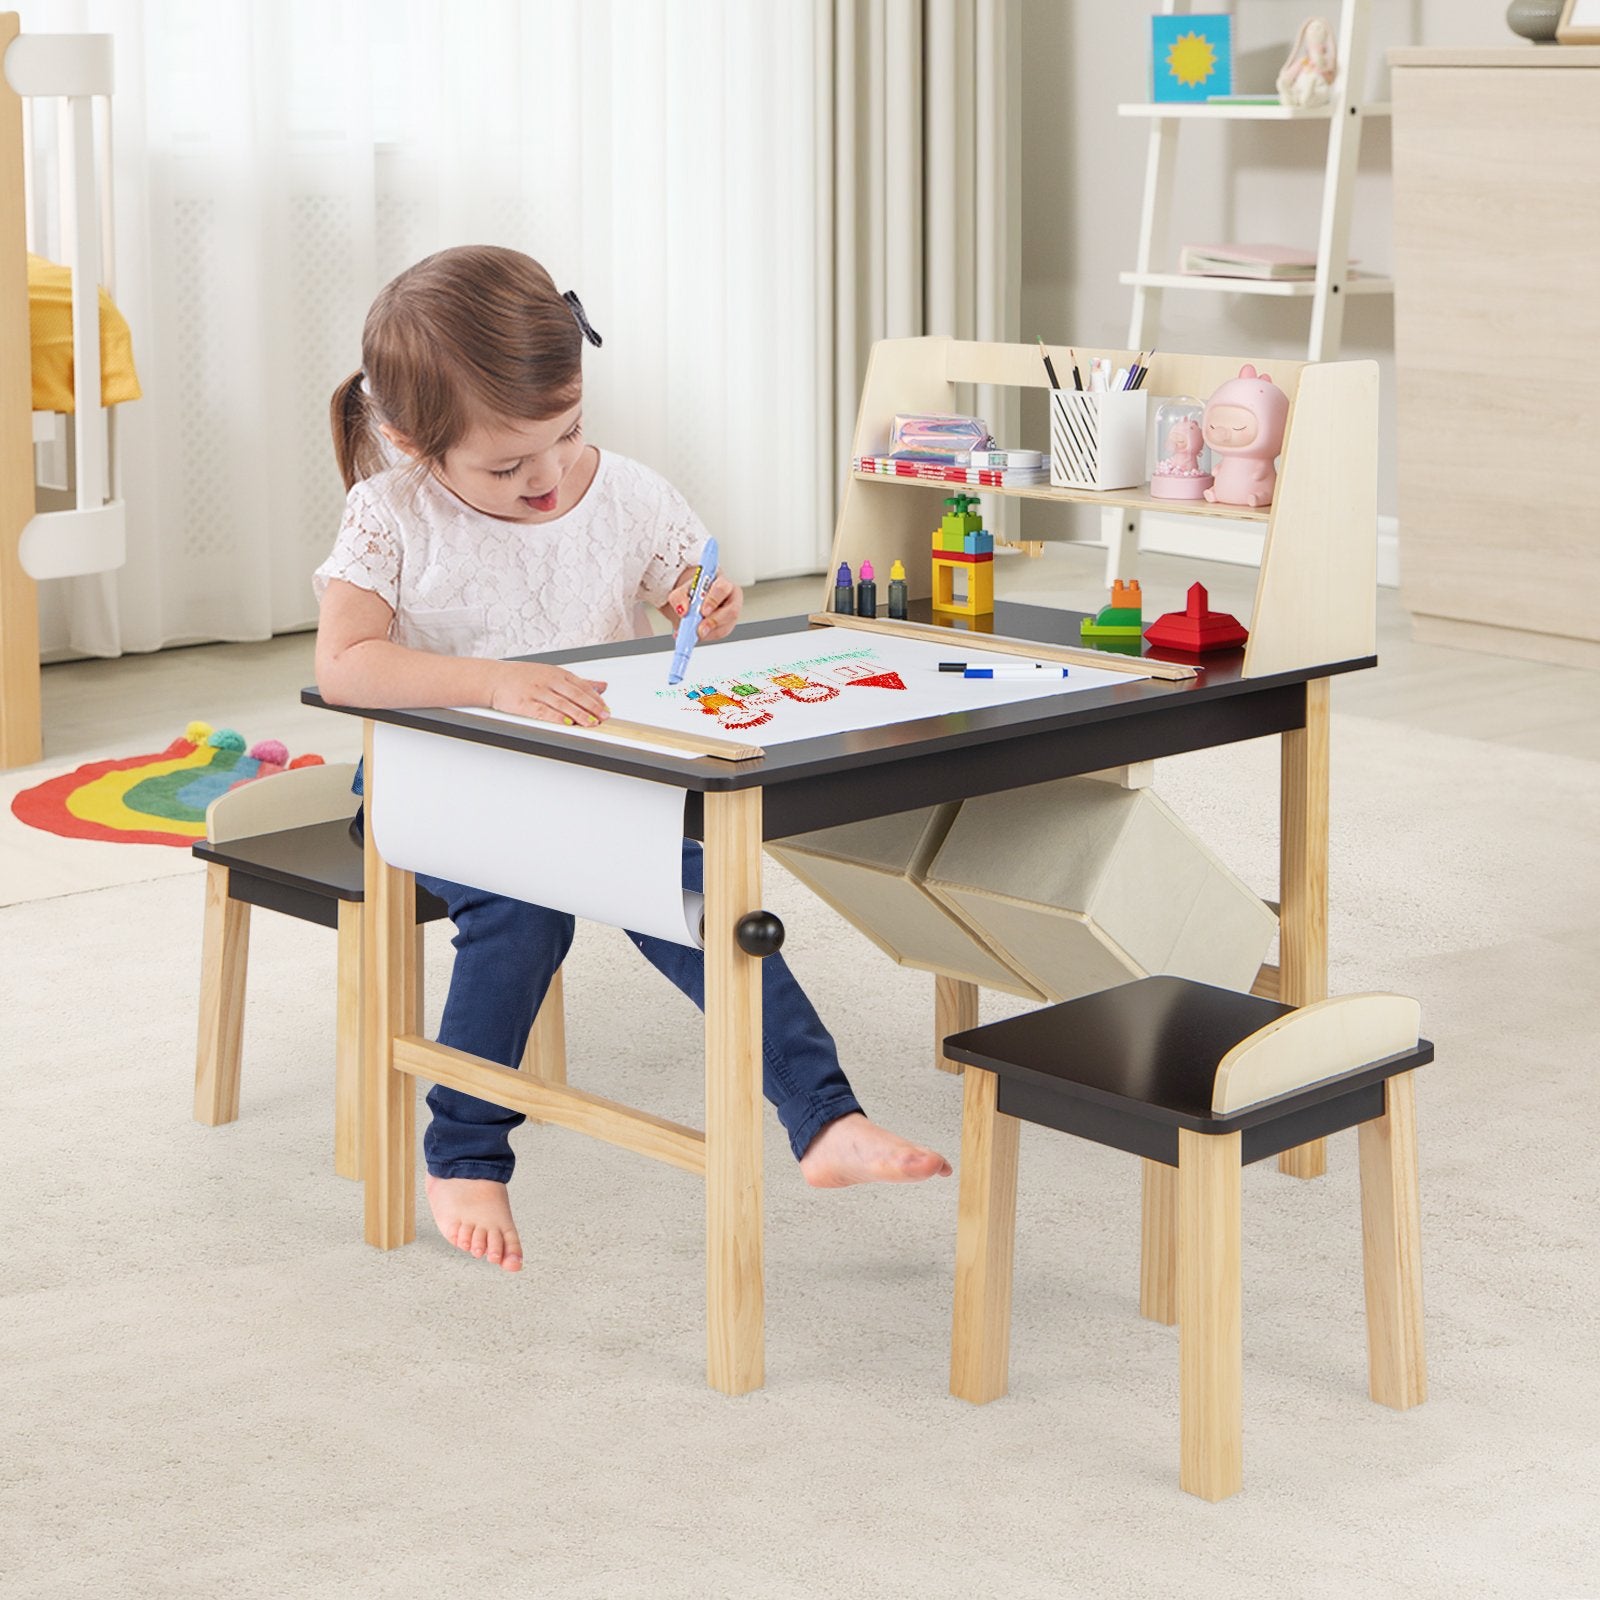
{"type": "Point", "coordinates": [1191, 60]}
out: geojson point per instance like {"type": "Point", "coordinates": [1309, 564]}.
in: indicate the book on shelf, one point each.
{"type": "Point", "coordinates": [1243, 100]}
{"type": "Point", "coordinates": [938, 472]}
{"type": "Point", "coordinates": [1247, 261]}
{"type": "Point", "coordinates": [1191, 56]}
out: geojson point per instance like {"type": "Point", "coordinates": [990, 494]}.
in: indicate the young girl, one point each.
{"type": "Point", "coordinates": [502, 533]}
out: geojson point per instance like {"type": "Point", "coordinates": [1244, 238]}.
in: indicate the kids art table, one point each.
{"type": "Point", "coordinates": [973, 746]}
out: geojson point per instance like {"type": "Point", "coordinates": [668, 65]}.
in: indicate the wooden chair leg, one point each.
{"type": "Point", "coordinates": [546, 1053]}
{"type": "Point", "coordinates": [388, 1100]}
{"type": "Point", "coordinates": [1391, 1248]}
{"type": "Point", "coordinates": [986, 1226]}
{"type": "Point", "coordinates": [1303, 884]}
{"type": "Point", "coordinates": [955, 1009]}
{"type": "Point", "coordinates": [225, 956]}
{"type": "Point", "coordinates": [347, 1082]}
{"type": "Point", "coordinates": [1210, 1312]}
{"type": "Point", "coordinates": [1158, 1242]}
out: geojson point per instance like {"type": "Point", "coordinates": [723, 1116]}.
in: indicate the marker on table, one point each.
{"type": "Point", "coordinates": [1004, 669]}
{"type": "Point", "coordinates": [1008, 670]}
{"type": "Point", "coordinates": [689, 627]}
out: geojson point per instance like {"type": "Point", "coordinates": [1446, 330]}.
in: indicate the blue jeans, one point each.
{"type": "Point", "coordinates": [507, 951]}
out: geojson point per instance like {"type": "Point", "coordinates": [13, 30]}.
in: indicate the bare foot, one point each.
{"type": "Point", "coordinates": [852, 1150]}
{"type": "Point", "coordinates": [474, 1214]}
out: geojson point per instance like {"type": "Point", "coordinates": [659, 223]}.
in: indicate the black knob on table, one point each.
{"type": "Point", "coordinates": [759, 934]}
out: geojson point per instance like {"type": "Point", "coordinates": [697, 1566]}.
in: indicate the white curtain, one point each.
{"type": "Point", "coordinates": [926, 206]}
{"type": "Point", "coordinates": [744, 192]}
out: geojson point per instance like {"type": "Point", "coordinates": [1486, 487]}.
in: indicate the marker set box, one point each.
{"type": "Point", "coordinates": [1097, 440]}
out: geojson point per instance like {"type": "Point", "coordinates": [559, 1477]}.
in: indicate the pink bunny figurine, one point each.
{"type": "Point", "coordinates": [1244, 423]}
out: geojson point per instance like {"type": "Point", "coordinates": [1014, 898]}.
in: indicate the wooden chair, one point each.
{"type": "Point", "coordinates": [1200, 1082]}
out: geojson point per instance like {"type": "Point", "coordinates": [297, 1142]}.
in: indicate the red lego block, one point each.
{"type": "Point", "coordinates": [1197, 628]}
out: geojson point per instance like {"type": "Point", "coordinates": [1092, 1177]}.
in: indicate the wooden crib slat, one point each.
{"type": "Point", "coordinates": [20, 735]}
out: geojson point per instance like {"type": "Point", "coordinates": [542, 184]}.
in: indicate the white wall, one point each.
{"type": "Point", "coordinates": [1083, 173]}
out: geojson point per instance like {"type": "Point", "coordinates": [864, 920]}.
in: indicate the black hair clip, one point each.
{"type": "Point", "coordinates": [572, 300]}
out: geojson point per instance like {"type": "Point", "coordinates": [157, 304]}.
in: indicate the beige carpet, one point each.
{"type": "Point", "coordinates": [213, 1388]}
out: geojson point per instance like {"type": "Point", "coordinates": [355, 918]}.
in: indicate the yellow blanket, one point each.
{"type": "Point", "coordinates": [50, 325]}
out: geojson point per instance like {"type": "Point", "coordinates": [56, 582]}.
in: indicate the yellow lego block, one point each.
{"type": "Point", "coordinates": [978, 600]}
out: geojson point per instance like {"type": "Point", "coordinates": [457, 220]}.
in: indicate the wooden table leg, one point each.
{"type": "Point", "coordinates": [225, 956]}
{"type": "Point", "coordinates": [986, 1229]}
{"type": "Point", "coordinates": [1391, 1248]}
{"type": "Point", "coordinates": [1210, 1316]}
{"type": "Point", "coordinates": [1303, 884]}
{"type": "Point", "coordinates": [735, 1292]}
{"type": "Point", "coordinates": [545, 1055]}
{"type": "Point", "coordinates": [20, 737]}
{"type": "Point", "coordinates": [348, 1074]}
{"type": "Point", "coordinates": [389, 1156]}
{"type": "Point", "coordinates": [955, 1009]}
{"type": "Point", "coordinates": [1158, 1242]}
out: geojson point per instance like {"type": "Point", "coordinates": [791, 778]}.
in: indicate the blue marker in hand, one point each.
{"type": "Point", "coordinates": [689, 627]}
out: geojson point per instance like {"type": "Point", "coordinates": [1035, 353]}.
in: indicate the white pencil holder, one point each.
{"type": "Point", "coordinates": [1097, 441]}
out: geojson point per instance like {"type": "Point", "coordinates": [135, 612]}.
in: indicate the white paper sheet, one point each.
{"type": "Point", "coordinates": [812, 682]}
{"type": "Point", "coordinates": [596, 844]}
{"type": "Point", "coordinates": [608, 847]}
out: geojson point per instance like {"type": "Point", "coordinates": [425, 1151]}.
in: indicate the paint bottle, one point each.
{"type": "Point", "coordinates": [866, 593]}
{"type": "Point", "coordinates": [897, 592]}
{"type": "Point", "coordinates": [844, 598]}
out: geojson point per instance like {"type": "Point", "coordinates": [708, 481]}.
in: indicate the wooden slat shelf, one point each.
{"type": "Point", "coordinates": [1298, 288]}
{"type": "Point", "coordinates": [1134, 499]}
{"type": "Point", "coordinates": [1317, 580]}
{"type": "Point", "coordinates": [1206, 113]}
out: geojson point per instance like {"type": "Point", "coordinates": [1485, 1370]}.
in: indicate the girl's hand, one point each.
{"type": "Point", "coordinates": [547, 694]}
{"type": "Point", "coordinates": [719, 611]}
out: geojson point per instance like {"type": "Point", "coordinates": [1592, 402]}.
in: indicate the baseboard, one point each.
{"type": "Point", "coordinates": [1239, 543]}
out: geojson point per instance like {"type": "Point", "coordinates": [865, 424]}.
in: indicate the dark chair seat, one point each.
{"type": "Point", "coordinates": [1203, 1081]}
{"type": "Point", "coordinates": [302, 872]}
{"type": "Point", "coordinates": [1129, 1066]}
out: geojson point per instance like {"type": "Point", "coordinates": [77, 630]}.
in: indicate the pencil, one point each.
{"type": "Point", "coordinates": [1077, 377]}
{"type": "Point", "coordinates": [1050, 371]}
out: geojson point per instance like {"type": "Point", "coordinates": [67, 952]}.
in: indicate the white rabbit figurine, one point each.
{"type": "Point", "coordinates": [1307, 76]}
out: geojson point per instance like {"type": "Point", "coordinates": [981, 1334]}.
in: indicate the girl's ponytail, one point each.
{"type": "Point", "coordinates": [354, 448]}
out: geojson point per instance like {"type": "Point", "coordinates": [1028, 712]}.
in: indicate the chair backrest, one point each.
{"type": "Point", "coordinates": [1316, 1042]}
{"type": "Point", "coordinates": [293, 799]}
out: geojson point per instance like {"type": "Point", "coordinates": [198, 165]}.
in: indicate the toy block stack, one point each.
{"type": "Point", "coordinates": [1121, 621]}
{"type": "Point", "coordinates": [961, 544]}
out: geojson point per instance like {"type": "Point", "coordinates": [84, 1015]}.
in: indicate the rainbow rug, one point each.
{"type": "Point", "coordinates": [152, 799]}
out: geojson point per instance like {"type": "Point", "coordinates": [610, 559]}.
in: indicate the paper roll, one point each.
{"type": "Point", "coordinates": [596, 844]}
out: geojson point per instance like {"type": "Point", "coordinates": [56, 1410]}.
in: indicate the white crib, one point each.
{"type": "Point", "coordinates": [68, 528]}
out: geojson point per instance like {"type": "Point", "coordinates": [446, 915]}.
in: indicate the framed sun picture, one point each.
{"type": "Point", "coordinates": [1191, 57]}
{"type": "Point", "coordinates": [1580, 22]}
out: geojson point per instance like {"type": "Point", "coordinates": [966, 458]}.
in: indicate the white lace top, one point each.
{"type": "Point", "coordinates": [466, 584]}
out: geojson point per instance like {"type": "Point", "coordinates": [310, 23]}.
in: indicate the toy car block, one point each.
{"type": "Point", "coordinates": [1197, 628]}
{"type": "Point", "coordinates": [1121, 620]}
{"type": "Point", "coordinates": [1079, 884]}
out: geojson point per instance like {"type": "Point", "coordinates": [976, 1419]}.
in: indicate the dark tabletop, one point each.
{"type": "Point", "coordinates": [813, 783]}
